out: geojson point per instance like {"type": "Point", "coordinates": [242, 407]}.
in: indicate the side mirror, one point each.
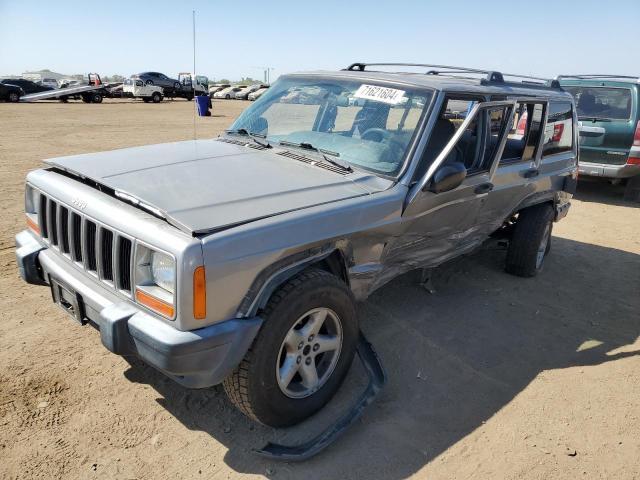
{"type": "Point", "coordinates": [448, 177]}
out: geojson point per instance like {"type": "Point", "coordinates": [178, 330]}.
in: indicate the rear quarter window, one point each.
{"type": "Point", "coordinates": [558, 131]}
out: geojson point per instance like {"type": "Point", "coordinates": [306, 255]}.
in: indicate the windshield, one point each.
{"type": "Point", "coordinates": [365, 124]}
{"type": "Point", "coordinates": [602, 102]}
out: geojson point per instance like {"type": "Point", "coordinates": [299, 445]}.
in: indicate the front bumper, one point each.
{"type": "Point", "coordinates": [197, 359]}
{"type": "Point", "coordinates": [608, 171]}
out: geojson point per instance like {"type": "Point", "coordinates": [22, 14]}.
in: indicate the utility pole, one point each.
{"type": "Point", "coordinates": [267, 73]}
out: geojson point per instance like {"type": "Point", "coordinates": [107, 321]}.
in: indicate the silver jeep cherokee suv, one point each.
{"type": "Point", "coordinates": [239, 260]}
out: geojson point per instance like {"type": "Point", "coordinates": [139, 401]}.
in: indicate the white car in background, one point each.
{"type": "Point", "coordinates": [244, 93]}
{"type": "Point", "coordinates": [135, 88]}
{"type": "Point", "coordinates": [255, 95]}
{"type": "Point", "coordinates": [229, 92]}
{"type": "Point", "coordinates": [217, 87]}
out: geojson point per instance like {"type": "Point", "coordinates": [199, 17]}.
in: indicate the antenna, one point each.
{"type": "Point", "coordinates": [193, 79]}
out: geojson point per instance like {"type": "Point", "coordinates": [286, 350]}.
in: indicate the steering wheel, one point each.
{"type": "Point", "coordinates": [377, 134]}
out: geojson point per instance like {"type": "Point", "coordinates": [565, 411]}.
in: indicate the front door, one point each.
{"type": "Point", "coordinates": [439, 226]}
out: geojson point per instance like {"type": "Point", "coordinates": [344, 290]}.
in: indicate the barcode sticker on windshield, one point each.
{"type": "Point", "coordinates": [380, 94]}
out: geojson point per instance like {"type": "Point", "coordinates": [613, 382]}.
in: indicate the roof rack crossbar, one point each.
{"type": "Point", "coordinates": [492, 76]}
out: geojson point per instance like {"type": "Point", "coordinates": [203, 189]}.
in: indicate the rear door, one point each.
{"type": "Point", "coordinates": [515, 172]}
{"type": "Point", "coordinates": [607, 114]}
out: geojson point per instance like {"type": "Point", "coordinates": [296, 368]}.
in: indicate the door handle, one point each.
{"type": "Point", "coordinates": [532, 172]}
{"type": "Point", "coordinates": [484, 188]}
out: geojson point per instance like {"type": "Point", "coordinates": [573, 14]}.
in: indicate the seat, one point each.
{"type": "Point", "coordinates": [370, 116]}
{"type": "Point", "coordinates": [442, 132]}
{"type": "Point", "coordinates": [587, 103]}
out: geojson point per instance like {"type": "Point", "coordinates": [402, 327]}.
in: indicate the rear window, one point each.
{"type": "Point", "coordinates": [558, 132]}
{"type": "Point", "coordinates": [602, 102]}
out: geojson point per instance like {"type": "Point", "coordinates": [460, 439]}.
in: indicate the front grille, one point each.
{"type": "Point", "coordinates": [96, 248]}
{"type": "Point", "coordinates": [53, 224]}
{"type": "Point", "coordinates": [64, 230]}
{"type": "Point", "coordinates": [106, 254]}
{"type": "Point", "coordinates": [124, 262]}
{"type": "Point", "coordinates": [90, 241]}
{"type": "Point", "coordinates": [76, 236]}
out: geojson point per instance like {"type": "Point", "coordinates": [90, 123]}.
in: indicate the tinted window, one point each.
{"type": "Point", "coordinates": [602, 102]}
{"type": "Point", "coordinates": [558, 132]}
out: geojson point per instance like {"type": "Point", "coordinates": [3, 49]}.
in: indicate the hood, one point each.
{"type": "Point", "coordinates": [207, 185]}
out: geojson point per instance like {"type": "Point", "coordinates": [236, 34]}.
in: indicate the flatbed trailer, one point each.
{"type": "Point", "coordinates": [93, 92]}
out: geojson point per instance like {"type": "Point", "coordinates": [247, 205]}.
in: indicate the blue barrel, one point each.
{"type": "Point", "coordinates": [203, 105]}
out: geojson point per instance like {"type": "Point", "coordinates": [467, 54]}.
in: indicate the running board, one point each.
{"type": "Point", "coordinates": [306, 450]}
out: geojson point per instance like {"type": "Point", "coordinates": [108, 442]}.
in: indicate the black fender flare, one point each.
{"type": "Point", "coordinates": [272, 277]}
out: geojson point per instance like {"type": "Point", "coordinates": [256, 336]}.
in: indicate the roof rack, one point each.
{"type": "Point", "coordinates": [491, 76]}
{"type": "Point", "coordinates": [597, 76]}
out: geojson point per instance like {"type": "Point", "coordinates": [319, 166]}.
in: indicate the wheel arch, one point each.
{"type": "Point", "coordinates": [330, 258]}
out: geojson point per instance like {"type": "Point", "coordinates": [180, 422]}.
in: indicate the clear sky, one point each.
{"type": "Point", "coordinates": [538, 37]}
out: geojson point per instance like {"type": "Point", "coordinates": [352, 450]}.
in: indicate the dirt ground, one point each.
{"type": "Point", "coordinates": [490, 377]}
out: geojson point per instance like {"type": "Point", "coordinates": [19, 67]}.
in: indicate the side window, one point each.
{"type": "Point", "coordinates": [477, 145]}
{"type": "Point", "coordinates": [524, 133]}
{"type": "Point", "coordinates": [449, 120]}
{"type": "Point", "coordinates": [558, 132]}
{"type": "Point", "coordinates": [496, 120]}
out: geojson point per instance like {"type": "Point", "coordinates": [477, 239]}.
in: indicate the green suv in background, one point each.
{"type": "Point", "coordinates": [609, 114]}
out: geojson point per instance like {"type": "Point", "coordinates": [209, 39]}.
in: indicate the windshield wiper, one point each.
{"type": "Point", "coordinates": [326, 154]}
{"type": "Point", "coordinates": [252, 136]}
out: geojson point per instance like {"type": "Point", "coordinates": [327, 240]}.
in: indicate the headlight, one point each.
{"type": "Point", "coordinates": [163, 271]}
{"type": "Point", "coordinates": [155, 277]}
{"type": "Point", "coordinates": [31, 198]}
{"type": "Point", "coordinates": [31, 205]}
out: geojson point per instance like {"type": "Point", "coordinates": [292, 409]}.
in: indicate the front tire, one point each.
{"type": "Point", "coordinates": [531, 241]}
{"type": "Point", "coordinates": [302, 353]}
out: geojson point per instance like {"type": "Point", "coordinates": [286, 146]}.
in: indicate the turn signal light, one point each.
{"type": "Point", "coordinates": [155, 304]}
{"type": "Point", "coordinates": [33, 226]}
{"type": "Point", "coordinates": [199, 294]}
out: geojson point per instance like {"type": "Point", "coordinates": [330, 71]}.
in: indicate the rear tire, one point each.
{"type": "Point", "coordinates": [156, 97]}
{"type": "Point", "coordinates": [632, 189]}
{"type": "Point", "coordinates": [14, 97]}
{"type": "Point", "coordinates": [531, 241]}
{"type": "Point", "coordinates": [96, 98]}
{"type": "Point", "coordinates": [313, 312]}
